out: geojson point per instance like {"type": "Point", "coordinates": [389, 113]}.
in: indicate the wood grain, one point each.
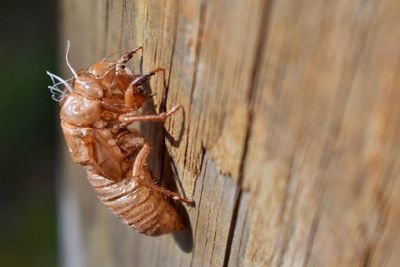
{"type": "Point", "coordinates": [289, 140]}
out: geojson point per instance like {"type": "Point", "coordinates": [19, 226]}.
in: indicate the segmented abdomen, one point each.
{"type": "Point", "coordinates": [144, 210]}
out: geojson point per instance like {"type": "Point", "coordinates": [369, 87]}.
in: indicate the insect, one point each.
{"type": "Point", "coordinates": [97, 105]}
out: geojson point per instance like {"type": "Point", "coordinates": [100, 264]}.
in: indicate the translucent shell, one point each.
{"type": "Point", "coordinates": [144, 210]}
{"type": "Point", "coordinates": [79, 110]}
{"type": "Point", "coordinates": [97, 106]}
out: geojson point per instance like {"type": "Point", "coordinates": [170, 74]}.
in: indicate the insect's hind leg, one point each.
{"type": "Point", "coordinates": [143, 177]}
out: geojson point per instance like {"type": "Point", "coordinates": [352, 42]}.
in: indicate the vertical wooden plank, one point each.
{"type": "Point", "coordinates": [323, 183]}
{"type": "Point", "coordinates": [199, 73]}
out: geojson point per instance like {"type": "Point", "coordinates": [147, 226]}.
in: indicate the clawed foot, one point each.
{"type": "Point", "coordinates": [187, 201]}
{"type": "Point", "coordinates": [170, 112]}
{"type": "Point", "coordinates": [164, 191]}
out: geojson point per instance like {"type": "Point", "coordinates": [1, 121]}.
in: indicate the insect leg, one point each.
{"type": "Point", "coordinates": [132, 117]}
{"type": "Point", "coordinates": [121, 62]}
{"type": "Point", "coordinates": [129, 141]}
{"type": "Point", "coordinates": [144, 77]}
{"type": "Point", "coordinates": [165, 192]}
{"type": "Point", "coordinates": [142, 175]}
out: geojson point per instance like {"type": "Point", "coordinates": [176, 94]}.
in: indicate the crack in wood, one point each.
{"type": "Point", "coordinates": [232, 229]}
{"type": "Point", "coordinates": [259, 53]}
{"type": "Point", "coordinates": [198, 211]}
{"type": "Point", "coordinates": [199, 38]}
{"type": "Point", "coordinates": [312, 234]}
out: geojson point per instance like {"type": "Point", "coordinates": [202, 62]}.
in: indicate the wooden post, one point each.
{"type": "Point", "coordinates": [290, 139]}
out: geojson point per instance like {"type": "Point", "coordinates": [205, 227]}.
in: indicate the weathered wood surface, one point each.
{"type": "Point", "coordinates": [289, 142]}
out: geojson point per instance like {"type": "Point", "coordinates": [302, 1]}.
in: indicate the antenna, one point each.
{"type": "Point", "coordinates": [66, 59]}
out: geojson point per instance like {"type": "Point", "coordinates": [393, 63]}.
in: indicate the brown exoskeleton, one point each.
{"type": "Point", "coordinates": [97, 105]}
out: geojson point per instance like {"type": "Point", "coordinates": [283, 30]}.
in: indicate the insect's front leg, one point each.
{"type": "Point", "coordinates": [143, 176]}
{"type": "Point", "coordinates": [144, 77]}
{"type": "Point", "coordinates": [134, 95]}
{"type": "Point", "coordinates": [128, 118]}
{"type": "Point", "coordinates": [121, 62]}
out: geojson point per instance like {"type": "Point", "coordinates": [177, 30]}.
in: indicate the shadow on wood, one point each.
{"type": "Point", "coordinates": [167, 173]}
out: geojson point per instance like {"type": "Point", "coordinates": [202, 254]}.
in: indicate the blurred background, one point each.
{"type": "Point", "coordinates": [27, 143]}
